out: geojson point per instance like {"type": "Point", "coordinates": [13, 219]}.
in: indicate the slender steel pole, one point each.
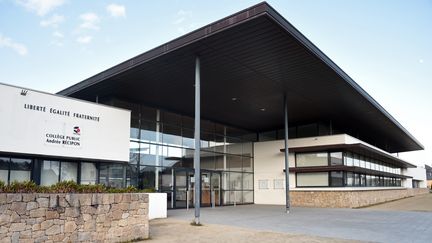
{"type": "Point", "coordinates": [197, 191]}
{"type": "Point", "coordinates": [288, 206]}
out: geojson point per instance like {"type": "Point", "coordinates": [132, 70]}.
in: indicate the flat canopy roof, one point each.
{"type": "Point", "coordinates": [254, 56]}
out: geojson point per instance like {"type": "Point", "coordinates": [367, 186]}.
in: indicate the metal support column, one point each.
{"type": "Point", "coordinates": [288, 206]}
{"type": "Point", "coordinates": [197, 154]}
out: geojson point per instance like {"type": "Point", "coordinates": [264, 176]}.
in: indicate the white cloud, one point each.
{"type": "Point", "coordinates": [90, 21]}
{"type": "Point", "coordinates": [58, 38]}
{"type": "Point", "coordinates": [58, 34]}
{"type": "Point", "coordinates": [116, 10]}
{"type": "Point", "coordinates": [84, 39]}
{"type": "Point", "coordinates": [181, 16]}
{"type": "Point", "coordinates": [40, 7]}
{"type": "Point", "coordinates": [53, 21]}
{"type": "Point", "coordinates": [9, 43]}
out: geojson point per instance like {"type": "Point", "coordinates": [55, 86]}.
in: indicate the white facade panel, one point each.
{"type": "Point", "coordinates": [39, 123]}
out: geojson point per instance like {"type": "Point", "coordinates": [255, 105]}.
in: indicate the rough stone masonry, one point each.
{"type": "Point", "coordinates": [98, 217]}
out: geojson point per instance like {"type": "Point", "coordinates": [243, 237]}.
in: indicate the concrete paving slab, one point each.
{"type": "Point", "coordinates": [353, 224]}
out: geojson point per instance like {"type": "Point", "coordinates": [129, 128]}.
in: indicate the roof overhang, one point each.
{"type": "Point", "coordinates": [254, 56]}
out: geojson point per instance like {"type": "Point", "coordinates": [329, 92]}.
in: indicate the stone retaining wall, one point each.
{"type": "Point", "coordinates": [73, 217]}
{"type": "Point", "coordinates": [349, 199]}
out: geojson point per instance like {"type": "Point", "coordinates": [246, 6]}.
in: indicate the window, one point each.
{"type": "Point", "coordinates": [50, 172]}
{"type": "Point", "coordinates": [234, 162]}
{"type": "Point", "coordinates": [133, 152]}
{"type": "Point", "coordinates": [15, 169]}
{"type": "Point", "coordinates": [234, 146]}
{"type": "Point", "coordinates": [248, 197]}
{"type": "Point", "coordinates": [148, 131]}
{"type": "Point", "coordinates": [336, 158]}
{"type": "Point", "coordinates": [112, 175]}
{"type": "Point", "coordinates": [349, 161]}
{"type": "Point", "coordinates": [312, 179]}
{"type": "Point", "coordinates": [4, 169]}
{"type": "Point", "coordinates": [20, 170]}
{"type": "Point", "coordinates": [247, 164]}
{"type": "Point", "coordinates": [349, 179]}
{"type": "Point", "coordinates": [368, 163]}
{"type": "Point", "coordinates": [356, 160]}
{"type": "Point", "coordinates": [363, 180]}
{"type": "Point", "coordinates": [148, 177]}
{"type": "Point", "coordinates": [247, 181]}
{"type": "Point", "coordinates": [88, 173]}
{"type": "Point", "coordinates": [336, 178]}
{"type": "Point", "coordinates": [235, 181]}
{"type": "Point", "coordinates": [362, 161]}
{"type": "Point", "coordinates": [312, 159]}
{"type": "Point", "coordinates": [368, 180]}
{"type": "Point", "coordinates": [172, 135]}
{"type": "Point", "coordinates": [356, 179]}
{"type": "Point", "coordinates": [134, 129]}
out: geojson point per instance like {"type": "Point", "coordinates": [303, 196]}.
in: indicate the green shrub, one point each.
{"type": "Point", "coordinates": [65, 187]}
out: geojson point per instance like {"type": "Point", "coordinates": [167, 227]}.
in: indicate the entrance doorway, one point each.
{"type": "Point", "coordinates": [184, 186]}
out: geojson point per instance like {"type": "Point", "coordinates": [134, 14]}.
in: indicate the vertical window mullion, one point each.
{"type": "Point", "coordinates": [9, 170]}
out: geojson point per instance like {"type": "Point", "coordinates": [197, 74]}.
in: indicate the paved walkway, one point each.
{"type": "Point", "coordinates": [356, 224]}
{"type": "Point", "coordinates": [420, 203]}
{"type": "Point", "coordinates": [178, 231]}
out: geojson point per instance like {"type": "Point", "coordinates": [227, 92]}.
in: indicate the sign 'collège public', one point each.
{"type": "Point", "coordinates": [38, 123]}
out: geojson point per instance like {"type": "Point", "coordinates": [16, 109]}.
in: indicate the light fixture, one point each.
{"type": "Point", "coordinates": [234, 99]}
{"type": "Point", "coordinates": [262, 109]}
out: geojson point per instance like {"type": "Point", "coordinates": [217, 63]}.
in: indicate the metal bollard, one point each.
{"type": "Point", "coordinates": [172, 199]}
{"type": "Point", "coordinates": [187, 199]}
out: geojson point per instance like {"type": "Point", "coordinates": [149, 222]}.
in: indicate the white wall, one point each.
{"type": "Point", "coordinates": [269, 165]}
{"type": "Point", "coordinates": [418, 173]}
{"type": "Point", "coordinates": [41, 123]}
{"type": "Point", "coordinates": [157, 205]}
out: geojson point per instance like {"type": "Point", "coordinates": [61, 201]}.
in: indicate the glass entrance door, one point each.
{"type": "Point", "coordinates": [205, 189]}
{"type": "Point", "coordinates": [184, 182]}
{"type": "Point", "coordinates": [211, 188]}
{"type": "Point", "coordinates": [216, 188]}
{"type": "Point", "coordinates": [183, 188]}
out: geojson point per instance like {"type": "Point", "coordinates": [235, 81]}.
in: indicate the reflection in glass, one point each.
{"type": "Point", "coordinates": [4, 169]}
{"type": "Point", "coordinates": [312, 159]}
{"type": "Point", "coordinates": [148, 131]}
{"type": "Point", "coordinates": [69, 171]}
{"type": "Point", "coordinates": [50, 172]}
{"type": "Point", "coordinates": [235, 181]}
{"type": "Point", "coordinates": [247, 181]}
{"type": "Point", "coordinates": [234, 162]}
{"type": "Point", "coordinates": [20, 170]}
{"type": "Point", "coordinates": [248, 164]}
{"type": "Point", "coordinates": [88, 173]}
{"type": "Point", "coordinates": [336, 158]}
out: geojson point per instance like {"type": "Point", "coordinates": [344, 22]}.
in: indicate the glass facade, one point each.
{"type": "Point", "coordinates": [345, 178]}
{"type": "Point", "coordinates": [15, 169]}
{"type": "Point", "coordinates": [162, 148]}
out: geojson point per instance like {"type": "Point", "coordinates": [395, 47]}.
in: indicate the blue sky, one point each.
{"type": "Point", "coordinates": [385, 46]}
